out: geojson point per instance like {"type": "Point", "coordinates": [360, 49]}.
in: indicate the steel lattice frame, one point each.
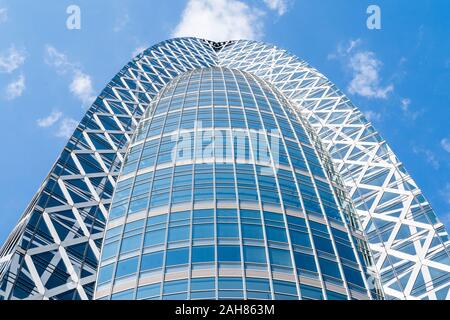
{"type": "Point", "coordinates": [53, 252]}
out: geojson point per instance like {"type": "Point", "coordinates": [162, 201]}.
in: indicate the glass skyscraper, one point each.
{"type": "Point", "coordinates": [225, 170]}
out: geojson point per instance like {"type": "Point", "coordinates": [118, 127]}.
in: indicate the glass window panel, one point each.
{"type": "Point", "coordinates": [177, 256]}
{"type": "Point", "coordinates": [152, 261]}
{"type": "Point", "coordinates": [229, 253]}
{"type": "Point", "coordinates": [127, 267]}
{"type": "Point", "coordinates": [203, 254]}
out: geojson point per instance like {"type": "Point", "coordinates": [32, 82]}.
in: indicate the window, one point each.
{"type": "Point", "coordinates": [230, 283]}
{"type": "Point", "coordinates": [311, 293]}
{"type": "Point", "coordinates": [300, 238]}
{"type": "Point", "coordinates": [127, 267]}
{"type": "Point", "coordinates": [150, 291]}
{"type": "Point", "coordinates": [105, 274]}
{"type": "Point", "coordinates": [335, 296]}
{"type": "Point", "coordinates": [203, 231]}
{"type": "Point", "coordinates": [276, 234]}
{"type": "Point", "coordinates": [152, 261]}
{"type": "Point", "coordinates": [329, 268]}
{"type": "Point", "coordinates": [202, 284]}
{"type": "Point", "coordinates": [110, 250]}
{"type": "Point", "coordinates": [252, 231]}
{"type": "Point", "coordinates": [124, 295]}
{"type": "Point", "coordinates": [353, 276]}
{"type": "Point", "coordinates": [175, 286]}
{"type": "Point", "coordinates": [305, 262]}
{"type": "Point", "coordinates": [258, 284]}
{"type": "Point", "coordinates": [254, 254]}
{"type": "Point", "coordinates": [227, 230]}
{"type": "Point", "coordinates": [284, 287]}
{"type": "Point", "coordinates": [155, 237]}
{"type": "Point", "coordinates": [179, 233]}
{"type": "Point", "coordinates": [323, 244]}
{"type": "Point", "coordinates": [229, 253]}
{"type": "Point", "coordinates": [131, 243]}
{"type": "Point", "coordinates": [203, 254]}
{"type": "Point", "coordinates": [177, 256]}
{"type": "Point", "coordinates": [280, 257]}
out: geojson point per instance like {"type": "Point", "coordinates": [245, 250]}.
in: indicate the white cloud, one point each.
{"type": "Point", "coordinates": [59, 61]}
{"type": "Point", "coordinates": [66, 128]}
{"type": "Point", "coordinates": [81, 87]}
{"type": "Point", "coordinates": [344, 50]}
{"type": "Point", "coordinates": [3, 15]}
{"type": "Point", "coordinates": [50, 120]}
{"type": "Point", "coordinates": [430, 157]}
{"type": "Point", "coordinates": [63, 126]}
{"type": "Point", "coordinates": [139, 50]}
{"type": "Point", "coordinates": [366, 76]}
{"type": "Point", "coordinates": [81, 84]}
{"type": "Point", "coordinates": [365, 69]}
{"type": "Point", "coordinates": [12, 59]}
{"type": "Point", "coordinates": [445, 144]}
{"type": "Point", "coordinates": [121, 23]}
{"type": "Point", "coordinates": [220, 20]}
{"type": "Point", "coordinates": [280, 6]}
{"type": "Point", "coordinates": [372, 115]}
{"type": "Point", "coordinates": [15, 88]}
{"type": "Point", "coordinates": [405, 106]}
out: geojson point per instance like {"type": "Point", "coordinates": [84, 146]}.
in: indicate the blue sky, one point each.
{"type": "Point", "coordinates": [399, 75]}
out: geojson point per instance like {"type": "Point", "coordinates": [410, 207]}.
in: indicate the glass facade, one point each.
{"type": "Point", "coordinates": [223, 196]}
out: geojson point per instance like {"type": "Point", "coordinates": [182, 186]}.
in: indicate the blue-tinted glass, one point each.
{"type": "Point", "coordinates": [229, 253]}
{"type": "Point", "coordinates": [227, 230]}
{"type": "Point", "coordinates": [126, 267]}
{"type": "Point", "coordinates": [131, 243]}
{"type": "Point", "coordinates": [201, 231]}
{"type": "Point", "coordinates": [252, 231]}
{"type": "Point", "coordinates": [110, 250]}
{"type": "Point", "coordinates": [329, 268]}
{"type": "Point", "coordinates": [203, 254]}
{"type": "Point", "coordinates": [254, 254]}
{"type": "Point", "coordinates": [309, 292]}
{"type": "Point", "coordinates": [203, 295]}
{"type": "Point", "coordinates": [276, 234]}
{"type": "Point", "coordinates": [258, 284]}
{"type": "Point", "coordinates": [230, 283]}
{"type": "Point", "coordinates": [280, 257]}
{"type": "Point", "coordinates": [177, 256]}
{"type": "Point", "coordinates": [105, 273]}
{"type": "Point", "coordinates": [125, 295]}
{"type": "Point", "coordinates": [149, 291]}
{"type": "Point", "coordinates": [353, 276]}
{"type": "Point", "coordinates": [179, 233]}
{"type": "Point", "coordinates": [202, 173]}
{"type": "Point", "coordinates": [175, 286]}
{"type": "Point", "coordinates": [305, 261]}
{"type": "Point", "coordinates": [202, 284]}
{"type": "Point", "coordinates": [152, 261]}
{"type": "Point", "coordinates": [155, 237]}
{"type": "Point", "coordinates": [284, 287]}
{"type": "Point", "coordinates": [335, 296]}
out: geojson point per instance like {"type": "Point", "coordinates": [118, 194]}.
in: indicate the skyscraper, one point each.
{"type": "Point", "coordinates": [227, 219]}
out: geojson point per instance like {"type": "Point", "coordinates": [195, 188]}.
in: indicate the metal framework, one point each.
{"type": "Point", "coordinates": [53, 251]}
